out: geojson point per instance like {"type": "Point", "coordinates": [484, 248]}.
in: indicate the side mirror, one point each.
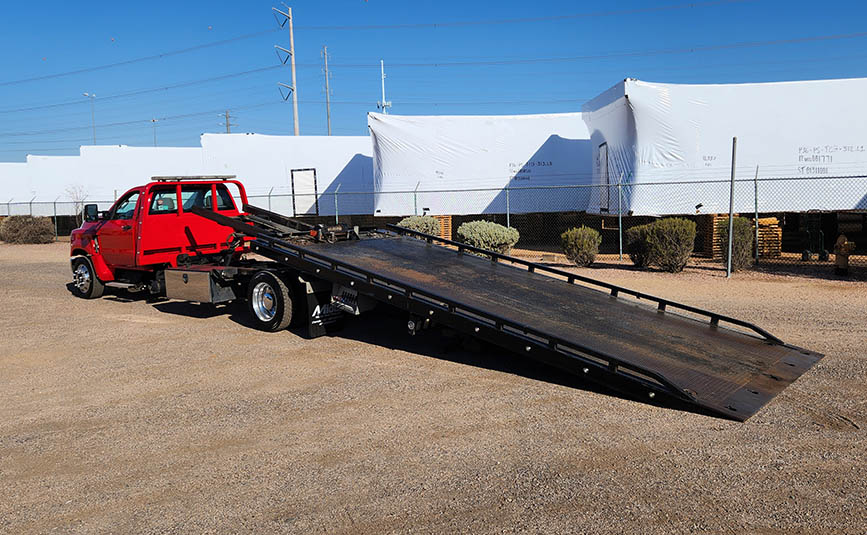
{"type": "Point", "coordinates": [91, 212]}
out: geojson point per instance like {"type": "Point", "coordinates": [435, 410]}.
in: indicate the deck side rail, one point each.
{"type": "Point", "coordinates": [662, 304]}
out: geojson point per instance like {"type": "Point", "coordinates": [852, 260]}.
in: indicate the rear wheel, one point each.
{"type": "Point", "coordinates": [85, 284]}
{"type": "Point", "coordinates": [269, 302]}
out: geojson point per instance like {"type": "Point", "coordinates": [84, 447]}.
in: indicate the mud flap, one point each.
{"type": "Point", "coordinates": [321, 314]}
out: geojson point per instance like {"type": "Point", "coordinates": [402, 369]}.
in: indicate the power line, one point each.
{"type": "Point", "coordinates": [148, 90]}
{"type": "Point", "coordinates": [369, 27]}
{"type": "Point", "coordinates": [525, 20]}
{"type": "Point", "coordinates": [138, 60]}
{"type": "Point", "coordinates": [128, 123]}
{"type": "Point", "coordinates": [632, 53]}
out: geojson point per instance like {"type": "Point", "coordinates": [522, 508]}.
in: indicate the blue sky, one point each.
{"type": "Point", "coordinates": [505, 57]}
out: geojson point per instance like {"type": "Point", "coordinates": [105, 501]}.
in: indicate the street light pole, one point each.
{"type": "Point", "coordinates": [91, 96]}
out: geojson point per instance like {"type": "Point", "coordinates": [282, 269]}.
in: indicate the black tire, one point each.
{"type": "Point", "coordinates": [85, 283]}
{"type": "Point", "coordinates": [269, 302]}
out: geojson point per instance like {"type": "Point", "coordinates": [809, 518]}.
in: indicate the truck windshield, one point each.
{"type": "Point", "coordinates": [125, 209]}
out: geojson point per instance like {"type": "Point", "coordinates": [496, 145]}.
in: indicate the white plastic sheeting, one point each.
{"type": "Point", "coordinates": [479, 157]}
{"type": "Point", "coordinates": [263, 163]}
{"type": "Point", "coordinates": [651, 134]}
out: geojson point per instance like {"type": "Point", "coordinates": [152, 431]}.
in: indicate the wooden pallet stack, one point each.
{"type": "Point", "coordinates": [770, 237]}
{"type": "Point", "coordinates": [445, 222]}
{"type": "Point", "coordinates": [708, 238]}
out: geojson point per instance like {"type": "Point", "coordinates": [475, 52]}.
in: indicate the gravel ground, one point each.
{"type": "Point", "coordinates": [125, 416]}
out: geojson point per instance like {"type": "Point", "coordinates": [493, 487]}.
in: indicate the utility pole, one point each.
{"type": "Point", "coordinates": [154, 123]}
{"type": "Point", "coordinates": [731, 208]}
{"type": "Point", "coordinates": [383, 104]}
{"type": "Point", "coordinates": [91, 96]}
{"type": "Point", "coordinates": [290, 56]}
{"type": "Point", "coordinates": [228, 124]}
{"type": "Point", "coordinates": [327, 89]}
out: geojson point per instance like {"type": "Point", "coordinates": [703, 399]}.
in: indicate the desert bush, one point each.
{"type": "Point", "coordinates": [488, 235]}
{"type": "Point", "coordinates": [670, 242]}
{"type": "Point", "coordinates": [638, 246]}
{"type": "Point", "coordinates": [421, 223]}
{"type": "Point", "coordinates": [26, 229]}
{"type": "Point", "coordinates": [581, 245]}
{"type": "Point", "coordinates": [742, 244]}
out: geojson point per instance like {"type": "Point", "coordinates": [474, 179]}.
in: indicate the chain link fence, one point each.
{"type": "Point", "coordinates": [803, 226]}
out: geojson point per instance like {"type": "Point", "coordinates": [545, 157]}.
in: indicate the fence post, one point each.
{"type": "Point", "coordinates": [336, 216]}
{"type": "Point", "coordinates": [731, 208]}
{"type": "Point", "coordinates": [269, 198]}
{"type": "Point", "coordinates": [415, 199]}
{"type": "Point", "coordinates": [31, 206]}
{"type": "Point", "coordinates": [508, 210]}
{"type": "Point", "coordinates": [756, 196]}
{"type": "Point", "coordinates": [9, 206]}
{"type": "Point", "coordinates": [620, 213]}
{"type": "Point", "coordinates": [55, 218]}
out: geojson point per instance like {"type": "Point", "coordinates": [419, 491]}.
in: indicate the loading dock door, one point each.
{"type": "Point", "coordinates": [305, 197]}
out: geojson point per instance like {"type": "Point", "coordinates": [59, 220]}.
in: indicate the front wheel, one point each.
{"type": "Point", "coordinates": [85, 284]}
{"type": "Point", "coordinates": [269, 302]}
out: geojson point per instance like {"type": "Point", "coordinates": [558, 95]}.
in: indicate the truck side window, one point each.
{"type": "Point", "coordinates": [125, 208]}
{"type": "Point", "coordinates": [163, 202]}
{"type": "Point", "coordinates": [196, 195]}
{"type": "Point", "coordinates": [224, 198]}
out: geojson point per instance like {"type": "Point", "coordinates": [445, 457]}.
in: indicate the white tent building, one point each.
{"type": "Point", "coordinates": [464, 164]}
{"type": "Point", "coordinates": [674, 143]}
{"type": "Point", "coordinates": [298, 174]}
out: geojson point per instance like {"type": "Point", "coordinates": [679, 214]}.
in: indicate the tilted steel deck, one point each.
{"type": "Point", "coordinates": [657, 349]}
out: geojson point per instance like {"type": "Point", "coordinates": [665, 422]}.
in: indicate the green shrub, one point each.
{"type": "Point", "coordinates": [421, 223]}
{"type": "Point", "coordinates": [488, 235]}
{"type": "Point", "coordinates": [26, 229]}
{"type": "Point", "coordinates": [670, 243]}
{"type": "Point", "coordinates": [581, 245]}
{"type": "Point", "coordinates": [742, 245]}
{"type": "Point", "coordinates": [638, 246]}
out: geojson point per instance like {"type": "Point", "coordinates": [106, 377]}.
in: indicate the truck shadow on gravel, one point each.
{"type": "Point", "coordinates": [387, 328]}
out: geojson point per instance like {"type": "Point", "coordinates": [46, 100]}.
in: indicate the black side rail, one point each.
{"type": "Point", "coordinates": [662, 304]}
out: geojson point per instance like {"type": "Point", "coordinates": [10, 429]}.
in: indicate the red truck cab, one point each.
{"type": "Point", "coordinates": [150, 228]}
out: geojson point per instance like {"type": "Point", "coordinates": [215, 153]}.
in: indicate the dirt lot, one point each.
{"type": "Point", "coordinates": [134, 417]}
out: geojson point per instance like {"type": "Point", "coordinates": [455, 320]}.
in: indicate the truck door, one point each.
{"type": "Point", "coordinates": [117, 234]}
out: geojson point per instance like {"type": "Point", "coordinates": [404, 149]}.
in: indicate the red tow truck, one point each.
{"type": "Point", "coordinates": [152, 240]}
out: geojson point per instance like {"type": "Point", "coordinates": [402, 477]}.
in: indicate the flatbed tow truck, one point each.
{"type": "Point", "coordinates": [171, 238]}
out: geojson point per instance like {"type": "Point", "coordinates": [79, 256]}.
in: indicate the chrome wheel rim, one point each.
{"type": "Point", "coordinates": [264, 302]}
{"type": "Point", "coordinates": [81, 278]}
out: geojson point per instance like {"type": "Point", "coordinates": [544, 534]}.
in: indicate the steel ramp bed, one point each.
{"type": "Point", "coordinates": [667, 350]}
